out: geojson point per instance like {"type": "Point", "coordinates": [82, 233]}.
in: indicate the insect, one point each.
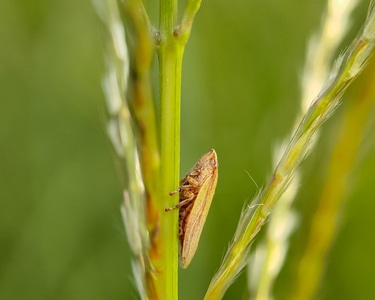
{"type": "Point", "coordinates": [196, 191]}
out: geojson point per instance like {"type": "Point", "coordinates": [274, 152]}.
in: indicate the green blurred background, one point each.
{"type": "Point", "coordinates": [61, 233]}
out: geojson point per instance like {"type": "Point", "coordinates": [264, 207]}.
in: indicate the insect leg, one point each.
{"type": "Point", "coordinates": [190, 197]}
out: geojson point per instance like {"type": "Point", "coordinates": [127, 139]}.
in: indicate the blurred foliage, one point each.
{"type": "Point", "coordinates": [61, 233]}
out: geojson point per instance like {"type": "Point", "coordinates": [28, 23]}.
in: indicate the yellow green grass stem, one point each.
{"type": "Point", "coordinates": [170, 162]}
{"type": "Point", "coordinates": [144, 110]}
{"type": "Point", "coordinates": [142, 100]}
{"type": "Point", "coordinates": [170, 86]}
{"type": "Point", "coordinates": [347, 68]}
{"type": "Point", "coordinates": [122, 135]}
{"type": "Point", "coordinates": [191, 9]}
{"type": "Point", "coordinates": [269, 255]}
{"type": "Point", "coordinates": [171, 43]}
{"type": "Point", "coordinates": [324, 225]}
{"type": "Point", "coordinates": [158, 146]}
{"type": "Point", "coordinates": [322, 47]}
{"type": "Point", "coordinates": [268, 258]}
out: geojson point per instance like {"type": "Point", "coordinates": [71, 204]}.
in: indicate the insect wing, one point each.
{"type": "Point", "coordinates": [196, 219]}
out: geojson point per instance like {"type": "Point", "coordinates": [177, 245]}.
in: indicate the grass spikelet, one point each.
{"type": "Point", "coordinates": [269, 256]}
{"type": "Point", "coordinates": [350, 65]}
{"type": "Point", "coordinates": [121, 134]}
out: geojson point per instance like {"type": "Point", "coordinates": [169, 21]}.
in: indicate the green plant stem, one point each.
{"type": "Point", "coordinates": [170, 163]}
{"type": "Point", "coordinates": [170, 62]}
{"type": "Point", "coordinates": [254, 217]}
{"type": "Point", "coordinates": [172, 42]}
{"type": "Point", "coordinates": [168, 17]}
{"type": "Point", "coordinates": [156, 247]}
{"type": "Point", "coordinates": [188, 16]}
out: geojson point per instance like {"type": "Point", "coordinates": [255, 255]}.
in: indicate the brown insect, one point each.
{"type": "Point", "coordinates": [196, 191]}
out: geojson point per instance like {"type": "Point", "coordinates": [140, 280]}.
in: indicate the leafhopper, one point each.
{"type": "Point", "coordinates": [196, 191]}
